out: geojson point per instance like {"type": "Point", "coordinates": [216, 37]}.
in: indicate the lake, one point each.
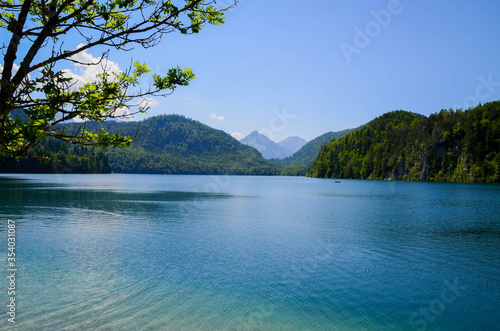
{"type": "Point", "coordinates": [133, 252]}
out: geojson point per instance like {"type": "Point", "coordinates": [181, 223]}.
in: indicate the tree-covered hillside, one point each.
{"type": "Point", "coordinates": [65, 158]}
{"type": "Point", "coordinates": [299, 162]}
{"type": "Point", "coordinates": [173, 144]}
{"type": "Point", "coordinates": [166, 144]}
{"type": "Point", "coordinates": [308, 153]}
{"type": "Point", "coordinates": [461, 146]}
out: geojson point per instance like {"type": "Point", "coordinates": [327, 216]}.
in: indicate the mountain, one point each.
{"type": "Point", "coordinates": [173, 144]}
{"type": "Point", "coordinates": [166, 144]}
{"type": "Point", "coordinates": [268, 148]}
{"type": "Point", "coordinates": [299, 162]}
{"type": "Point", "coordinates": [293, 144]}
{"type": "Point", "coordinates": [454, 146]}
{"type": "Point", "coordinates": [309, 152]}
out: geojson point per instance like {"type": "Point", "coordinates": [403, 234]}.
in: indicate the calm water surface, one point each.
{"type": "Point", "coordinates": [132, 252]}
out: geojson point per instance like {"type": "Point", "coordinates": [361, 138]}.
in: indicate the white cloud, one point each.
{"type": "Point", "coordinates": [123, 114]}
{"type": "Point", "coordinates": [214, 116]}
{"type": "Point", "coordinates": [148, 102]}
{"type": "Point", "coordinates": [78, 119]}
{"type": "Point", "coordinates": [237, 135]}
{"type": "Point", "coordinates": [192, 100]}
{"type": "Point", "coordinates": [15, 68]}
{"type": "Point", "coordinates": [87, 73]}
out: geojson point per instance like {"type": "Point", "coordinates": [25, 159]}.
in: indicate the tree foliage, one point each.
{"type": "Point", "coordinates": [69, 159]}
{"type": "Point", "coordinates": [457, 146]}
{"type": "Point", "coordinates": [37, 86]}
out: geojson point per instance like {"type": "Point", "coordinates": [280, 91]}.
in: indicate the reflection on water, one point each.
{"type": "Point", "coordinates": [148, 252]}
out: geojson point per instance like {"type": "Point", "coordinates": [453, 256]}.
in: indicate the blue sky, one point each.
{"type": "Point", "coordinates": [286, 56]}
{"type": "Point", "coordinates": [305, 68]}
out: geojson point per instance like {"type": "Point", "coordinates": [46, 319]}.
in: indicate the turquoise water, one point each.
{"type": "Point", "coordinates": [131, 252]}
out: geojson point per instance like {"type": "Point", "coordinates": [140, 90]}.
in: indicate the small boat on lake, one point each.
{"type": "Point", "coordinates": [338, 181]}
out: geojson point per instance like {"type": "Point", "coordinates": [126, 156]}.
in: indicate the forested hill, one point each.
{"type": "Point", "coordinates": [308, 153]}
{"type": "Point", "coordinates": [66, 158]}
{"type": "Point", "coordinates": [455, 146]}
{"type": "Point", "coordinates": [173, 144]}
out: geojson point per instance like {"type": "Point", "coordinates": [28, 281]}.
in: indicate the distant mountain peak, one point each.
{"type": "Point", "coordinates": [256, 134]}
{"type": "Point", "coordinates": [293, 143]}
{"type": "Point", "coordinates": [268, 148]}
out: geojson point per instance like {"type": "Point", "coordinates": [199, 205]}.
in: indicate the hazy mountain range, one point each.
{"type": "Point", "coordinates": [272, 150]}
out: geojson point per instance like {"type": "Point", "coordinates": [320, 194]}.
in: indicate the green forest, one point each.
{"type": "Point", "coordinates": [449, 146]}
{"type": "Point", "coordinates": [165, 144]}
{"type": "Point", "coordinates": [298, 163]}
{"type": "Point", "coordinates": [173, 144]}
{"type": "Point", "coordinates": [66, 158]}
